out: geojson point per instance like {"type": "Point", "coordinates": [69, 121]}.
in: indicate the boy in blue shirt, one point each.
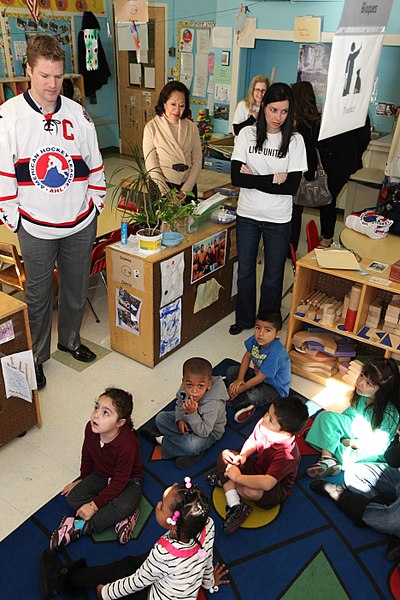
{"type": "Point", "coordinates": [269, 380]}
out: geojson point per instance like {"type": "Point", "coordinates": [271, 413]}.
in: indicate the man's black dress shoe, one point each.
{"type": "Point", "coordinates": [40, 377]}
{"type": "Point", "coordinates": [235, 329]}
{"type": "Point", "coordinates": [82, 353]}
{"type": "Point", "coordinates": [150, 432]}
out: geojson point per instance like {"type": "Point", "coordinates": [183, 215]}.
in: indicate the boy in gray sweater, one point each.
{"type": "Point", "coordinates": [199, 418]}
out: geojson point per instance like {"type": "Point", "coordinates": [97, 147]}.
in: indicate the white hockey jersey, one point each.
{"type": "Point", "coordinates": [51, 169]}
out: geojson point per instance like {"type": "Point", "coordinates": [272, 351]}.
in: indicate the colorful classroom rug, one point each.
{"type": "Point", "coordinates": [304, 549]}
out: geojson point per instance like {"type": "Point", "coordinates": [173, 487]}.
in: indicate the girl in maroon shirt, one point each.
{"type": "Point", "coordinates": [108, 490]}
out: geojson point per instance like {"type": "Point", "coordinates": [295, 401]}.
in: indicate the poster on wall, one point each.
{"type": "Point", "coordinates": [351, 76]}
{"type": "Point", "coordinates": [312, 66]}
{"type": "Point", "coordinates": [170, 326]}
{"type": "Point", "coordinates": [131, 10]}
{"type": "Point", "coordinates": [208, 255]}
{"type": "Point", "coordinates": [355, 55]}
{"type": "Point", "coordinates": [80, 6]}
{"type": "Point", "coordinates": [127, 311]}
{"type": "Point", "coordinates": [19, 28]}
{"type": "Point", "coordinates": [186, 70]}
{"type": "Point", "coordinates": [221, 111]}
{"type": "Point", "coordinates": [172, 278]}
{"type": "Point", "coordinates": [186, 42]}
{"type": "Point", "coordinates": [206, 294]}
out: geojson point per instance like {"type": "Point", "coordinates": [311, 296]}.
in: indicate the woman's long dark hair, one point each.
{"type": "Point", "coordinates": [305, 105]}
{"type": "Point", "coordinates": [276, 93]}
{"type": "Point", "coordinates": [173, 86]}
{"type": "Point", "coordinates": [384, 373]}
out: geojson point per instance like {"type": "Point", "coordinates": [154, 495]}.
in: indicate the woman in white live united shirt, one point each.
{"type": "Point", "coordinates": [267, 163]}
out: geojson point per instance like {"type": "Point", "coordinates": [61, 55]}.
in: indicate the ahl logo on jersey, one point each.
{"type": "Point", "coordinates": [51, 169]}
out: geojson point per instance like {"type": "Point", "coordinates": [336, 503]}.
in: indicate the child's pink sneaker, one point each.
{"type": "Point", "coordinates": [124, 528]}
{"type": "Point", "coordinates": [65, 533]}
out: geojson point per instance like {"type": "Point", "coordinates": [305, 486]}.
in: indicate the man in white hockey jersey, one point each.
{"type": "Point", "coordinates": [52, 188]}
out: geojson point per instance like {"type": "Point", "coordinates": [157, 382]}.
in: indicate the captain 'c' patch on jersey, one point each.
{"type": "Point", "coordinates": [51, 169]}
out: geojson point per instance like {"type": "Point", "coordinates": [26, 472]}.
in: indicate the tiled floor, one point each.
{"type": "Point", "coordinates": [34, 468]}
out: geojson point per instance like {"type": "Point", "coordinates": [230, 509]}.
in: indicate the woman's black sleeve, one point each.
{"type": "Point", "coordinates": [238, 126]}
{"type": "Point", "coordinates": [263, 183]}
{"type": "Point", "coordinates": [392, 454]}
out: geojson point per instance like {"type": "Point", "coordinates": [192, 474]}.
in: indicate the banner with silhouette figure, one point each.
{"type": "Point", "coordinates": [356, 49]}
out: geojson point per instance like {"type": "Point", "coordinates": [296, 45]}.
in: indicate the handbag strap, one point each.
{"type": "Point", "coordinates": [319, 163]}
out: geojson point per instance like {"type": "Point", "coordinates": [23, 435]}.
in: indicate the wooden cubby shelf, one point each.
{"type": "Point", "coordinates": [19, 85]}
{"type": "Point", "coordinates": [310, 277]}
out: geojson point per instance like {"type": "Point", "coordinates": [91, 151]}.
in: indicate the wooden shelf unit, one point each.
{"type": "Point", "coordinates": [16, 415]}
{"type": "Point", "coordinates": [19, 85]}
{"type": "Point", "coordinates": [310, 277]}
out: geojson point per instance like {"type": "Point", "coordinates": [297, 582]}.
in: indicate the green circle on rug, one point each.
{"type": "Point", "coordinates": [259, 517]}
{"type": "Point", "coordinates": [109, 535]}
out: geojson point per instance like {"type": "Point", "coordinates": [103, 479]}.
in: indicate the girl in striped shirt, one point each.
{"type": "Point", "coordinates": [179, 563]}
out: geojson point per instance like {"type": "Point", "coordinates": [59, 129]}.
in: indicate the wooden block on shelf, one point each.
{"type": "Point", "coordinates": [308, 365]}
{"type": "Point", "coordinates": [309, 297]}
{"type": "Point", "coordinates": [393, 308]}
{"type": "Point", "coordinates": [326, 339]}
{"type": "Point", "coordinates": [311, 314]}
{"type": "Point", "coordinates": [356, 365]}
{"type": "Point", "coordinates": [375, 335]}
{"type": "Point", "coordinates": [338, 311]}
{"type": "Point", "coordinates": [350, 378]}
{"type": "Point", "coordinates": [302, 308]}
{"type": "Point", "coordinates": [370, 322]}
{"type": "Point", "coordinates": [393, 341]}
{"type": "Point", "coordinates": [391, 319]}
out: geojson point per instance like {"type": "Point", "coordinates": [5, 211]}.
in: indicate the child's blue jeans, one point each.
{"type": "Point", "coordinates": [259, 395]}
{"type": "Point", "coordinates": [177, 444]}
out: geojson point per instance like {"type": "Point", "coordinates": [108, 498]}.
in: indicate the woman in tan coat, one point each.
{"type": "Point", "coordinates": [171, 142]}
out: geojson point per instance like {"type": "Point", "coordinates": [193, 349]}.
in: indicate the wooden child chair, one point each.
{"type": "Point", "coordinates": [13, 275]}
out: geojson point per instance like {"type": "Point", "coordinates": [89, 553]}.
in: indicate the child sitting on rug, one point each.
{"type": "Point", "coordinates": [199, 418]}
{"type": "Point", "coordinates": [270, 378]}
{"type": "Point", "coordinates": [179, 563]}
{"type": "Point", "coordinates": [266, 467]}
{"type": "Point", "coordinates": [365, 429]}
{"type": "Point", "coordinates": [108, 490]}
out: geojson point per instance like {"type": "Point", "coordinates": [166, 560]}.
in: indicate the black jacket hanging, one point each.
{"type": "Point", "coordinates": [94, 79]}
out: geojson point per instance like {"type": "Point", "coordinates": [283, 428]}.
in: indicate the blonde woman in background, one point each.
{"type": "Point", "coordinates": [247, 110]}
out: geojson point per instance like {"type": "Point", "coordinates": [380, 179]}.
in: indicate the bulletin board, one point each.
{"type": "Point", "coordinates": [192, 27]}
{"type": "Point", "coordinates": [18, 27]}
{"type": "Point", "coordinates": [95, 6]}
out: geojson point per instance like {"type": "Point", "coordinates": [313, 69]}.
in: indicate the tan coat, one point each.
{"type": "Point", "coordinates": [161, 150]}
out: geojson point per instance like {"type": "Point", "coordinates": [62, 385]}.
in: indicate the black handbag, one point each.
{"type": "Point", "coordinates": [314, 193]}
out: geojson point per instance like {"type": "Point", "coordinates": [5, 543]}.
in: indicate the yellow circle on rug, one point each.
{"type": "Point", "coordinates": [259, 517]}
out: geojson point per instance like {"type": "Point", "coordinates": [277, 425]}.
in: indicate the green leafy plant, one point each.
{"type": "Point", "coordinates": [139, 199]}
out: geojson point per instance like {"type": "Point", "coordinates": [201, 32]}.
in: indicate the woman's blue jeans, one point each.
{"type": "Point", "coordinates": [372, 479]}
{"type": "Point", "coordinates": [276, 239]}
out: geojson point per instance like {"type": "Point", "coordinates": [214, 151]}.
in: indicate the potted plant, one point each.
{"type": "Point", "coordinates": [145, 206]}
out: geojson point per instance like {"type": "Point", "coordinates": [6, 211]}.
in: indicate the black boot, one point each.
{"type": "Point", "coordinates": [68, 584]}
{"type": "Point", "coordinates": [353, 505]}
{"type": "Point", "coordinates": [328, 489]}
{"type": "Point", "coordinates": [393, 550]}
{"type": "Point", "coordinates": [52, 574]}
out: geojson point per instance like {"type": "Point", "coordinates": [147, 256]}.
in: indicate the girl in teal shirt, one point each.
{"type": "Point", "coordinates": [364, 430]}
